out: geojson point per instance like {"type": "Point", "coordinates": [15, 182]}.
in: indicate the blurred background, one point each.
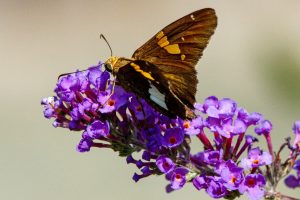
{"type": "Point", "coordinates": [252, 58]}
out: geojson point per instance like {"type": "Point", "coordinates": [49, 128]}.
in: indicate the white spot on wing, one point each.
{"type": "Point", "coordinates": [192, 17]}
{"type": "Point", "coordinates": [119, 116]}
{"type": "Point", "coordinates": [157, 96]}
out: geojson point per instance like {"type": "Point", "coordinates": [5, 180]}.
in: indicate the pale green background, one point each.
{"type": "Point", "coordinates": [253, 58]}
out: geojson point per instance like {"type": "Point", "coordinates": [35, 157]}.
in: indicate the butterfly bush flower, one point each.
{"type": "Point", "coordinates": [98, 129]}
{"type": "Point", "coordinates": [232, 175]}
{"type": "Point", "coordinates": [256, 158]}
{"type": "Point", "coordinates": [178, 177]}
{"type": "Point", "coordinates": [229, 162]}
{"type": "Point", "coordinates": [200, 182]}
{"type": "Point", "coordinates": [216, 189]}
{"type": "Point", "coordinates": [165, 164]}
{"type": "Point", "coordinates": [253, 186]}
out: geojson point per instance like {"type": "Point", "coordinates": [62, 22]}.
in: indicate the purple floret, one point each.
{"type": "Point", "coordinates": [216, 189]}
{"type": "Point", "coordinates": [178, 178]}
{"type": "Point", "coordinates": [232, 175]}
{"type": "Point", "coordinates": [164, 164]}
{"type": "Point", "coordinates": [98, 129]}
{"type": "Point", "coordinates": [265, 127]}
{"type": "Point", "coordinates": [84, 145]}
{"type": "Point", "coordinates": [173, 137]}
{"type": "Point", "coordinates": [207, 157]}
{"type": "Point", "coordinates": [256, 158]}
{"type": "Point", "coordinates": [199, 182]}
{"type": "Point", "coordinates": [292, 181]}
{"type": "Point", "coordinates": [253, 185]}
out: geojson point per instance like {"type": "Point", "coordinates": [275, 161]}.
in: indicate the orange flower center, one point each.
{"type": "Point", "coordinates": [251, 182]}
{"type": "Point", "coordinates": [178, 177]}
{"type": "Point", "coordinates": [233, 179]}
{"type": "Point", "coordinates": [166, 165]}
{"type": "Point", "coordinates": [172, 140]}
{"type": "Point", "coordinates": [186, 124]}
{"type": "Point", "coordinates": [255, 161]}
{"type": "Point", "coordinates": [139, 108]}
{"type": "Point", "coordinates": [111, 102]}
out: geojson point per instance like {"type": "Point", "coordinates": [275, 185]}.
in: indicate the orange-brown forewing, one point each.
{"type": "Point", "coordinates": [176, 49]}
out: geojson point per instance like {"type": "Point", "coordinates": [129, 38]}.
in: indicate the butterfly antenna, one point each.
{"type": "Point", "coordinates": [102, 37]}
{"type": "Point", "coordinates": [65, 74]}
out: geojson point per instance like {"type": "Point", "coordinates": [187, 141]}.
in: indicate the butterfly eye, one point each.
{"type": "Point", "coordinates": [108, 67]}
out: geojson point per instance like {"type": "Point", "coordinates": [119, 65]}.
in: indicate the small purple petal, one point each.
{"type": "Point", "coordinates": [211, 101]}
{"type": "Point", "coordinates": [130, 159]}
{"type": "Point", "coordinates": [49, 112]}
{"type": "Point", "coordinates": [265, 127]}
{"type": "Point", "coordinates": [199, 107]}
{"type": "Point", "coordinates": [254, 118]}
{"type": "Point", "coordinates": [226, 129]}
{"type": "Point", "coordinates": [227, 108]}
{"type": "Point", "coordinates": [139, 164]}
{"type": "Point", "coordinates": [207, 157]}
{"type": "Point", "coordinates": [212, 111]}
{"type": "Point", "coordinates": [194, 126]}
{"type": "Point", "coordinates": [199, 182]}
{"type": "Point", "coordinates": [216, 189]}
{"type": "Point", "coordinates": [98, 129]}
{"type": "Point", "coordinates": [296, 130]}
{"type": "Point", "coordinates": [84, 145]}
{"type": "Point", "coordinates": [296, 127]}
{"type": "Point", "coordinates": [146, 155]}
{"type": "Point", "coordinates": [255, 193]}
{"type": "Point", "coordinates": [136, 177]}
{"type": "Point", "coordinates": [292, 182]}
{"type": "Point", "coordinates": [239, 127]}
{"type": "Point", "coordinates": [169, 188]}
{"type": "Point", "coordinates": [94, 73]}
{"type": "Point", "coordinates": [102, 81]}
{"type": "Point", "coordinates": [165, 164]}
{"type": "Point", "coordinates": [297, 165]}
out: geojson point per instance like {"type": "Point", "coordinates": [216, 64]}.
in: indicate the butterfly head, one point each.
{"type": "Point", "coordinates": [110, 64]}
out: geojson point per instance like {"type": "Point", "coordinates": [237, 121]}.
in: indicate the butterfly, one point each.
{"type": "Point", "coordinates": [162, 71]}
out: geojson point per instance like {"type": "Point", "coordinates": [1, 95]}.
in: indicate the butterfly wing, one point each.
{"type": "Point", "coordinates": [176, 49]}
{"type": "Point", "coordinates": [153, 87]}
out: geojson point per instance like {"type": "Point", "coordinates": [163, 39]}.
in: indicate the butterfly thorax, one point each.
{"type": "Point", "coordinates": [114, 63]}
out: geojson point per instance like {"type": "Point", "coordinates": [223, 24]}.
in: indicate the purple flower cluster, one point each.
{"type": "Point", "coordinates": [216, 168]}
{"type": "Point", "coordinates": [227, 165]}
{"type": "Point", "coordinates": [89, 101]}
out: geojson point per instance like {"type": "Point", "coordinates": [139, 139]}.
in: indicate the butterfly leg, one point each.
{"type": "Point", "coordinates": [112, 92]}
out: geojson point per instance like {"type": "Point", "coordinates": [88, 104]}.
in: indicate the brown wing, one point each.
{"type": "Point", "coordinates": [176, 49]}
{"type": "Point", "coordinates": [146, 81]}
